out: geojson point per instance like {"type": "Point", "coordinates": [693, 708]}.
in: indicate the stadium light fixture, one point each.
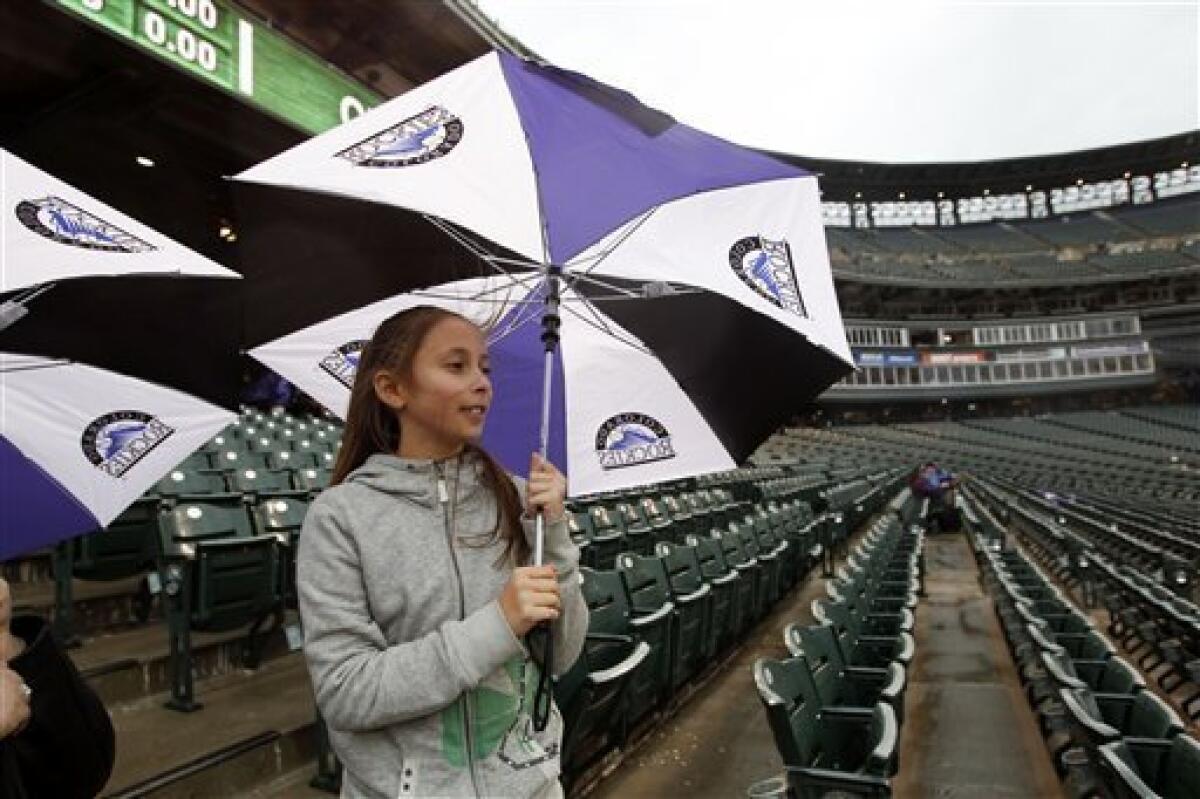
{"type": "Point", "coordinates": [1128, 175]}
{"type": "Point", "coordinates": [143, 160]}
{"type": "Point", "coordinates": [1029, 187]}
{"type": "Point", "coordinates": [1079, 182]}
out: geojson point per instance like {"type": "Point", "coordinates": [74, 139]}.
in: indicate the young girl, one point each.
{"type": "Point", "coordinates": [413, 584]}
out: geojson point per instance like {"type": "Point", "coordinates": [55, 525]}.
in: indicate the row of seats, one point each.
{"type": "Point", "coordinates": [1155, 625]}
{"type": "Point", "coordinates": [1109, 735]}
{"type": "Point", "coordinates": [835, 706]}
{"type": "Point", "coordinates": [658, 618]}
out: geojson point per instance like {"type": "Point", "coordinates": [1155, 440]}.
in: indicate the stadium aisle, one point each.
{"type": "Point", "coordinates": [968, 731]}
{"type": "Point", "coordinates": [719, 744]}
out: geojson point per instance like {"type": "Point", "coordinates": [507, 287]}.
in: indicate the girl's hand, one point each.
{"type": "Point", "coordinates": [547, 489]}
{"type": "Point", "coordinates": [530, 596]}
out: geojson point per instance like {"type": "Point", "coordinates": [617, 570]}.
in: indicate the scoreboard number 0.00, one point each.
{"type": "Point", "coordinates": [212, 40]}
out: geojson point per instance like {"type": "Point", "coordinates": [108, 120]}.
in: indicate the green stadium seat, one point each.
{"type": "Point", "coordinates": [750, 605]}
{"type": "Point", "coordinates": [639, 535]}
{"type": "Point", "coordinates": [1098, 719]}
{"type": "Point", "coordinates": [650, 595]}
{"type": "Point", "coordinates": [228, 461]}
{"type": "Point", "coordinates": [197, 461]}
{"type": "Point", "coordinates": [840, 683]}
{"type": "Point", "coordinates": [179, 484]}
{"type": "Point", "coordinates": [593, 694]}
{"type": "Point", "coordinates": [860, 648]}
{"type": "Point", "coordinates": [1149, 769]}
{"type": "Point", "coordinates": [693, 599]}
{"type": "Point", "coordinates": [217, 575]}
{"type": "Point", "coordinates": [1110, 676]}
{"type": "Point", "coordinates": [657, 517]}
{"type": "Point", "coordinates": [123, 549]}
{"type": "Point", "coordinates": [256, 484]}
{"type": "Point", "coordinates": [293, 460]}
{"type": "Point", "coordinates": [650, 680]}
{"type": "Point", "coordinates": [727, 587]}
{"type": "Point", "coordinates": [314, 481]}
{"type": "Point", "coordinates": [282, 517]}
{"type": "Point", "coordinates": [768, 566]}
{"type": "Point", "coordinates": [827, 750]}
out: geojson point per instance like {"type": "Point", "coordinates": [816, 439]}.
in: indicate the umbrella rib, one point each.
{"type": "Point", "coordinates": [606, 330]}
{"type": "Point", "coordinates": [629, 231]}
{"type": "Point", "coordinates": [573, 277]}
{"type": "Point", "coordinates": [6, 370]}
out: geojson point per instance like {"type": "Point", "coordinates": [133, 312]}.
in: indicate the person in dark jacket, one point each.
{"type": "Point", "coordinates": [56, 739]}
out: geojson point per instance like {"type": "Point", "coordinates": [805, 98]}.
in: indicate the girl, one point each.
{"type": "Point", "coordinates": [413, 590]}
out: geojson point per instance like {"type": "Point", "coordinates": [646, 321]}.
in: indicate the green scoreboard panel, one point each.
{"type": "Point", "coordinates": [217, 42]}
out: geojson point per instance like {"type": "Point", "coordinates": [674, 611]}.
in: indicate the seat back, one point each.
{"type": "Point", "coordinates": [125, 548]}
{"type": "Point", "coordinates": [187, 524]}
{"type": "Point", "coordinates": [1151, 717]}
{"type": "Point", "coordinates": [1182, 778]}
{"type": "Point", "coordinates": [790, 700]}
{"type": "Point", "coordinates": [237, 582]}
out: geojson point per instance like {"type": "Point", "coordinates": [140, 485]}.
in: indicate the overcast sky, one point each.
{"type": "Point", "coordinates": [888, 81]}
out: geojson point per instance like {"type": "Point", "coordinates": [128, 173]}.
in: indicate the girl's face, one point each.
{"type": "Point", "coordinates": [443, 402]}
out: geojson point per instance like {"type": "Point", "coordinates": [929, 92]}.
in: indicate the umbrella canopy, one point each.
{"type": "Point", "coordinates": [638, 398]}
{"type": "Point", "coordinates": [479, 190]}
{"type": "Point", "coordinates": [528, 164]}
{"type": "Point", "coordinates": [104, 325]}
{"type": "Point", "coordinates": [83, 282]}
{"type": "Point", "coordinates": [78, 445]}
{"type": "Point", "coordinates": [52, 232]}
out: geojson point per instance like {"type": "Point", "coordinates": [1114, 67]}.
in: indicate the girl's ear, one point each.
{"type": "Point", "coordinates": [390, 391]}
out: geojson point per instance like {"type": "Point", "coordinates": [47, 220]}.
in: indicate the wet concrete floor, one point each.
{"type": "Point", "coordinates": [968, 731]}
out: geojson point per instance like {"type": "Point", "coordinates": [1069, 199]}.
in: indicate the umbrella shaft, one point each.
{"type": "Point", "coordinates": [550, 325]}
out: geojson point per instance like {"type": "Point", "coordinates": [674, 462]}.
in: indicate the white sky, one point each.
{"type": "Point", "coordinates": [898, 81]}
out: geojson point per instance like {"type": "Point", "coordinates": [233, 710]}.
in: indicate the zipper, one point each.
{"type": "Point", "coordinates": [444, 499]}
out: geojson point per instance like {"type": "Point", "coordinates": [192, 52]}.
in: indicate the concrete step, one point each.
{"type": "Point", "coordinates": [254, 728]}
{"type": "Point", "coordinates": [134, 663]}
{"type": "Point", "coordinates": [96, 606]}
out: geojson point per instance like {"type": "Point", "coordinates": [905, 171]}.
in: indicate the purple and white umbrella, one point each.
{"type": "Point", "coordinates": [697, 304]}
{"type": "Point", "coordinates": [84, 286]}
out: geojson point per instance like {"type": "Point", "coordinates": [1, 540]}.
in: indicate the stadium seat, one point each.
{"type": "Point", "coordinates": [1147, 769]}
{"type": "Point", "coordinates": [693, 599]}
{"type": "Point", "coordinates": [217, 576]}
{"type": "Point", "coordinates": [650, 680]}
{"type": "Point", "coordinates": [650, 595]}
{"type": "Point", "coordinates": [1098, 719]}
{"type": "Point", "coordinates": [827, 750]}
{"type": "Point", "coordinates": [840, 683]}
{"type": "Point", "coordinates": [593, 694]}
{"type": "Point", "coordinates": [731, 593]}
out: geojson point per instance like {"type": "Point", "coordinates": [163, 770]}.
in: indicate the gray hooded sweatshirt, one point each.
{"type": "Point", "coordinates": [424, 686]}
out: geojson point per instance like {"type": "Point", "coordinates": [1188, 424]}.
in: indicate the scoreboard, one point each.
{"type": "Point", "coordinates": [218, 43]}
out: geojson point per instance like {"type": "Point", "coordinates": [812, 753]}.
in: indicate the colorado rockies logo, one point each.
{"type": "Point", "coordinates": [342, 363]}
{"type": "Point", "coordinates": [766, 266]}
{"type": "Point", "coordinates": [417, 140]}
{"type": "Point", "coordinates": [116, 441]}
{"type": "Point", "coordinates": [630, 439]}
{"type": "Point", "coordinates": [59, 220]}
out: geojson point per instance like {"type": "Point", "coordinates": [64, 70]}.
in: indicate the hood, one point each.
{"type": "Point", "coordinates": [416, 479]}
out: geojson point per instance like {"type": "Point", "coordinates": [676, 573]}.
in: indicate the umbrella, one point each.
{"type": "Point", "coordinates": [104, 338]}
{"type": "Point", "coordinates": [563, 187]}
{"type": "Point", "coordinates": [627, 409]}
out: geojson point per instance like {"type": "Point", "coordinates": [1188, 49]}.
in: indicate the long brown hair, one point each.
{"type": "Point", "coordinates": [372, 426]}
